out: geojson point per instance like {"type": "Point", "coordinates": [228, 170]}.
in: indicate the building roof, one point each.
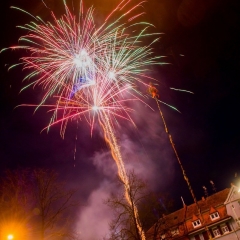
{"type": "Point", "coordinates": [205, 204]}
{"type": "Point", "coordinates": [169, 221]}
{"type": "Point", "coordinates": [212, 210]}
{"type": "Point", "coordinates": [190, 213]}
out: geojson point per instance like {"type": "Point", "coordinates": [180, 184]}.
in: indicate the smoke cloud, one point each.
{"type": "Point", "coordinates": [145, 150]}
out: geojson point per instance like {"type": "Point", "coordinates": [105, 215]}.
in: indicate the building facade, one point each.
{"type": "Point", "coordinates": [214, 217]}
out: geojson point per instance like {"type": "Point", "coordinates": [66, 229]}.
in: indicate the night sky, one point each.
{"type": "Point", "coordinates": [201, 44]}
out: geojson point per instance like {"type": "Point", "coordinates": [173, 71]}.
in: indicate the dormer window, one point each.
{"type": "Point", "coordinates": [214, 216]}
{"type": "Point", "coordinates": [163, 236]}
{"type": "Point", "coordinates": [196, 223]}
{"type": "Point", "coordinates": [175, 232]}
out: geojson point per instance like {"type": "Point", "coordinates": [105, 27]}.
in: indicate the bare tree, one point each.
{"type": "Point", "coordinates": [150, 207]}
{"type": "Point", "coordinates": [123, 226]}
{"type": "Point", "coordinates": [52, 200]}
{"type": "Point", "coordinates": [38, 199]}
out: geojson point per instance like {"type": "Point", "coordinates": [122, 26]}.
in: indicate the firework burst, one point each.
{"type": "Point", "coordinates": [91, 71]}
{"type": "Point", "coordinates": [72, 50]}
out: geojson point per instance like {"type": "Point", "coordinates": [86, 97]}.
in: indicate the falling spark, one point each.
{"type": "Point", "coordinates": [182, 90]}
{"type": "Point", "coordinates": [154, 92]}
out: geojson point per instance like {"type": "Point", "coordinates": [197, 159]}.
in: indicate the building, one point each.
{"type": "Point", "coordinates": [214, 217]}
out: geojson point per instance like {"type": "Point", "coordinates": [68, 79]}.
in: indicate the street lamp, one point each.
{"type": "Point", "coordinates": [10, 237]}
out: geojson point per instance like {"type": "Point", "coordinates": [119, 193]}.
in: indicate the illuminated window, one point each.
{"type": "Point", "coordinates": [225, 229]}
{"type": "Point", "coordinates": [163, 236]}
{"type": "Point", "coordinates": [175, 232]}
{"type": "Point", "coordinates": [197, 237]}
{"type": "Point", "coordinates": [214, 216]}
{"type": "Point", "coordinates": [216, 232]}
{"type": "Point", "coordinates": [197, 223]}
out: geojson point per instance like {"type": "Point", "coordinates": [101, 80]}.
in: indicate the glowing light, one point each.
{"type": "Point", "coordinates": [95, 108]}
{"type": "Point", "coordinates": [111, 75]}
{"type": "Point", "coordinates": [67, 53]}
{"type": "Point", "coordinates": [82, 59]}
{"type": "Point", "coordinates": [11, 229]}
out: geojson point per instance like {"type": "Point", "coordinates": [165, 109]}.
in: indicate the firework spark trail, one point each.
{"type": "Point", "coordinates": [105, 102]}
{"type": "Point", "coordinates": [175, 151]}
{"type": "Point", "coordinates": [112, 141]}
{"type": "Point", "coordinates": [104, 105]}
{"type": "Point", "coordinates": [91, 71]}
{"type": "Point", "coordinates": [154, 92]}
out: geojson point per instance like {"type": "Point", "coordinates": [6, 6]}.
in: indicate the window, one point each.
{"type": "Point", "coordinates": [214, 216]}
{"type": "Point", "coordinates": [197, 237]}
{"type": "Point", "coordinates": [197, 223]}
{"type": "Point", "coordinates": [216, 232]}
{"type": "Point", "coordinates": [225, 229]}
{"type": "Point", "coordinates": [205, 235]}
{"type": "Point", "coordinates": [175, 232]}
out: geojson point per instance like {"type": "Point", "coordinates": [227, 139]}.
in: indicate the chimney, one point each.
{"type": "Point", "coordinates": [213, 186]}
{"type": "Point", "coordinates": [205, 191]}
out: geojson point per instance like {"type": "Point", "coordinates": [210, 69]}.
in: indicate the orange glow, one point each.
{"type": "Point", "coordinates": [12, 230]}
